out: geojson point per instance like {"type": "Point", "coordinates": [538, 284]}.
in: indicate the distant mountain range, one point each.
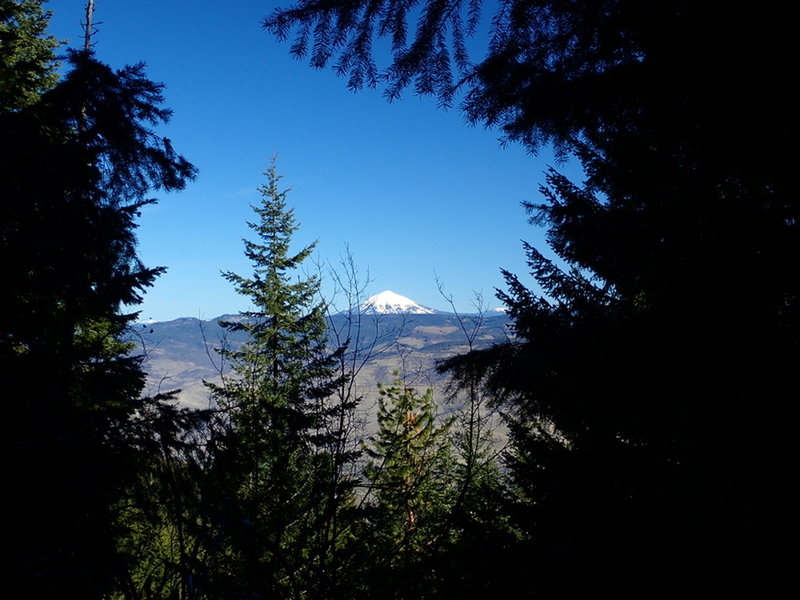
{"type": "Point", "coordinates": [390, 333]}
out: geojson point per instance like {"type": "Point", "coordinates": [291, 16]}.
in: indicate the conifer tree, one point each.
{"type": "Point", "coordinates": [270, 455]}
{"type": "Point", "coordinates": [77, 162]}
{"type": "Point", "coordinates": [409, 475]}
{"type": "Point", "coordinates": [27, 54]}
{"type": "Point", "coordinates": [670, 318]}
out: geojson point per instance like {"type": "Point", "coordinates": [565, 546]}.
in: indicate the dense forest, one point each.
{"type": "Point", "coordinates": [646, 393]}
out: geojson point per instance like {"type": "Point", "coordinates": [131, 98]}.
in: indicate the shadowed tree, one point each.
{"type": "Point", "coordinates": [568, 72]}
{"type": "Point", "coordinates": [652, 370]}
{"type": "Point", "coordinates": [76, 166]}
{"type": "Point", "coordinates": [634, 444]}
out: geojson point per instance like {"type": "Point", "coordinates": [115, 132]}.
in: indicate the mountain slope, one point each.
{"type": "Point", "coordinates": [388, 302]}
{"type": "Point", "coordinates": [180, 354]}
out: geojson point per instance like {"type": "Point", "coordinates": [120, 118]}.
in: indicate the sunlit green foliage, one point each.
{"type": "Point", "coordinates": [27, 54]}
{"type": "Point", "coordinates": [410, 477]}
{"type": "Point", "coordinates": [271, 462]}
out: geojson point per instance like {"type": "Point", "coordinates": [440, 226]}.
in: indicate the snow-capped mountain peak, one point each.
{"type": "Point", "coordinates": [388, 302]}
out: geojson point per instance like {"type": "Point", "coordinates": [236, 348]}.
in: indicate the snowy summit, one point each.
{"type": "Point", "coordinates": [387, 302]}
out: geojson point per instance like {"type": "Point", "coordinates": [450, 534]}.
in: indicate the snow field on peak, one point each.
{"type": "Point", "coordinates": [388, 302]}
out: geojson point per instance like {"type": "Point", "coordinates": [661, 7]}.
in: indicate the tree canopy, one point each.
{"type": "Point", "coordinates": [569, 71]}
{"type": "Point", "coordinates": [78, 158]}
{"type": "Point", "coordinates": [666, 318]}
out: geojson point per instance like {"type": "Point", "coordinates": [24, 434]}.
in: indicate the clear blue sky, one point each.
{"type": "Point", "coordinates": [413, 191]}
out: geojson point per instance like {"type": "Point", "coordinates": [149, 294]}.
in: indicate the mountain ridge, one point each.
{"type": "Point", "coordinates": [180, 354]}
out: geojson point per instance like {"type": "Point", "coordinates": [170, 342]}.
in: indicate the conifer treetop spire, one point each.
{"type": "Point", "coordinates": [88, 26]}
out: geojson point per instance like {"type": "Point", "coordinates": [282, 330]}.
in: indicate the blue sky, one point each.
{"type": "Point", "coordinates": [411, 190]}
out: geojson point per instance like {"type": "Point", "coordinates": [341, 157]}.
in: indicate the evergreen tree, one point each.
{"type": "Point", "coordinates": [157, 518]}
{"type": "Point", "coordinates": [409, 475]}
{"type": "Point", "coordinates": [270, 463]}
{"type": "Point", "coordinates": [27, 60]}
{"type": "Point", "coordinates": [670, 317]}
{"type": "Point", "coordinates": [77, 162]}
{"type": "Point", "coordinates": [482, 531]}
{"type": "Point", "coordinates": [632, 432]}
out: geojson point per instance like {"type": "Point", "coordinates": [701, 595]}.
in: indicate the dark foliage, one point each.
{"type": "Point", "coordinates": [74, 170]}
{"type": "Point", "coordinates": [568, 71]}
{"type": "Point", "coordinates": [649, 387]}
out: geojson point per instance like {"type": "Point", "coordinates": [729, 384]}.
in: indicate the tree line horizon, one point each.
{"type": "Point", "coordinates": [646, 395]}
